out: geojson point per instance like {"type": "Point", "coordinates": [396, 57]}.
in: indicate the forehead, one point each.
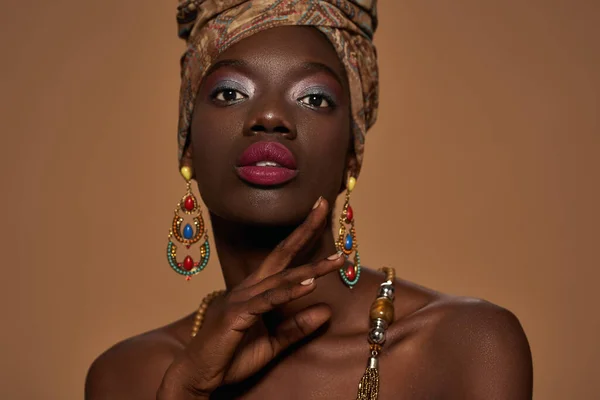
{"type": "Point", "coordinates": [285, 46]}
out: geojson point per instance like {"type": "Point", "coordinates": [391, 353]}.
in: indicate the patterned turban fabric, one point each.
{"type": "Point", "coordinates": [209, 27]}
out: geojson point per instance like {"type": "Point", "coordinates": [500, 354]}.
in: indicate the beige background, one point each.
{"type": "Point", "coordinates": [481, 176]}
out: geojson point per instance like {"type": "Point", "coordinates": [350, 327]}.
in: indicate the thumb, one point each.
{"type": "Point", "coordinates": [299, 326]}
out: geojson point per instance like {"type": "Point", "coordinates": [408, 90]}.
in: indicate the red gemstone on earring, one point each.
{"type": "Point", "coordinates": [349, 214]}
{"type": "Point", "coordinates": [350, 272]}
{"type": "Point", "coordinates": [189, 203]}
{"type": "Point", "coordinates": [188, 263]}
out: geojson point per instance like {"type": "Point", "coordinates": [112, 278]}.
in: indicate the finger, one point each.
{"type": "Point", "coordinates": [269, 300]}
{"type": "Point", "coordinates": [299, 326]}
{"type": "Point", "coordinates": [296, 275]}
{"type": "Point", "coordinates": [285, 251]}
{"type": "Point", "coordinates": [242, 317]}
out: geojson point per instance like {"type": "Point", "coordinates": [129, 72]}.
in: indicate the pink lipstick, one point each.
{"type": "Point", "coordinates": [267, 164]}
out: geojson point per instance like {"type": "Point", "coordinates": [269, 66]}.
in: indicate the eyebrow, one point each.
{"type": "Point", "coordinates": [307, 66]}
{"type": "Point", "coordinates": [317, 66]}
{"type": "Point", "coordinates": [225, 63]}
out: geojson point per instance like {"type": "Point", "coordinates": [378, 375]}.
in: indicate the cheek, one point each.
{"type": "Point", "coordinates": [213, 145]}
{"type": "Point", "coordinates": [213, 135]}
{"type": "Point", "coordinates": [329, 137]}
{"type": "Point", "coordinates": [326, 141]}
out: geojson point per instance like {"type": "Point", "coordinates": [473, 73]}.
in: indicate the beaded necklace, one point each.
{"type": "Point", "coordinates": [381, 316]}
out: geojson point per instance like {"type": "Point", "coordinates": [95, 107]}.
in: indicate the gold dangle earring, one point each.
{"type": "Point", "coordinates": [189, 235]}
{"type": "Point", "coordinates": [346, 242]}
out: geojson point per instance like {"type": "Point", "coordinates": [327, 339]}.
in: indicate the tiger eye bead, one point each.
{"type": "Point", "coordinates": [382, 308]}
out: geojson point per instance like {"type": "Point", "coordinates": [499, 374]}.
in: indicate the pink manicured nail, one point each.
{"type": "Point", "coordinates": [307, 282]}
{"type": "Point", "coordinates": [335, 256]}
{"type": "Point", "coordinates": [318, 202]}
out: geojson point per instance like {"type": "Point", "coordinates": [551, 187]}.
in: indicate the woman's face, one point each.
{"type": "Point", "coordinates": [284, 85]}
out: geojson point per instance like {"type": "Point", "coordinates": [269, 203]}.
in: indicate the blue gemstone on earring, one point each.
{"type": "Point", "coordinates": [348, 242]}
{"type": "Point", "coordinates": [188, 232]}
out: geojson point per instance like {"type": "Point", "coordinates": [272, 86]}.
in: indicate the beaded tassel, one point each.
{"type": "Point", "coordinates": [381, 316]}
{"type": "Point", "coordinates": [368, 388]}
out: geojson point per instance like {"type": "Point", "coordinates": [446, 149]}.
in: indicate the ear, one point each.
{"type": "Point", "coordinates": [187, 158]}
{"type": "Point", "coordinates": [351, 166]}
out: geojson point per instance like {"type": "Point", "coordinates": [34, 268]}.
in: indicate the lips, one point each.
{"type": "Point", "coordinates": [266, 164]}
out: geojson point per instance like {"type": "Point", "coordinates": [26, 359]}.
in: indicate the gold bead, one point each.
{"type": "Point", "coordinates": [375, 347]}
{"type": "Point", "coordinates": [199, 317]}
{"type": "Point", "coordinates": [382, 308]}
{"type": "Point", "coordinates": [390, 273]}
{"type": "Point", "coordinates": [186, 172]}
{"type": "Point", "coordinates": [351, 183]}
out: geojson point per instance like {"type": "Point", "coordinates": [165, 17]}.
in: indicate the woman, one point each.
{"type": "Point", "coordinates": [276, 97]}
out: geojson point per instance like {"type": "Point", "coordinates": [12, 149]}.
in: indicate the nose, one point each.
{"type": "Point", "coordinates": [270, 117]}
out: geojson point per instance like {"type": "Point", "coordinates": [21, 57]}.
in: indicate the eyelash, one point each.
{"type": "Point", "coordinates": [219, 90]}
{"type": "Point", "coordinates": [324, 96]}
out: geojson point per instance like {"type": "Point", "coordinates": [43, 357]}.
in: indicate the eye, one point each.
{"type": "Point", "coordinates": [316, 101]}
{"type": "Point", "coordinates": [228, 95]}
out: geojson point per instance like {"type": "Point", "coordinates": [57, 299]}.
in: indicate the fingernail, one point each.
{"type": "Point", "coordinates": [335, 256]}
{"type": "Point", "coordinates": [307, 282]}
{"type": "Point", "coordinates": [318, 202]}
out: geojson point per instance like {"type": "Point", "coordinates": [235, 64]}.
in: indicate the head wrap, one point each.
{"type": "Point", "coordinates": [211, 26]}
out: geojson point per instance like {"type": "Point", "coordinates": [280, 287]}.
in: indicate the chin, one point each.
{"type": "Point", "coordinates": [281, 206]}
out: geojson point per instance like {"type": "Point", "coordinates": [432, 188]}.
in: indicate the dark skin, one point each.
{"type": "Point", "coordinates": [301, 341]}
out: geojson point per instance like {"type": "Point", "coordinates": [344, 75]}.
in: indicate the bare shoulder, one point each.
{"type": "Point", "coordinates": [462, 320]}
{"type": "Point", "coordinates": [490, 349]}
{"type": "Point", "coordinates": [470, 316]}
{"type": "Point", "coordinates": [133, 369]}
{"type": "Point", "coordinates": [477, 326]}
{"type": "Point", "coordinates": [476, 348]}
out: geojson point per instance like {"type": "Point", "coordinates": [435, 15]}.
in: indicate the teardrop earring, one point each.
{"type": "Point", "coordinates": [346, 241]}
{"type": "Point", "coordinates": [189, 235]}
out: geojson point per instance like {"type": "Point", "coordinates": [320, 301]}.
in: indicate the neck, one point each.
{"type": "Point", "coordinates": [242, 249]}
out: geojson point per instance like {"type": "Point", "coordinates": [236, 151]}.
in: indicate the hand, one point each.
{"type": "Point", "coordinates": [237, 345]}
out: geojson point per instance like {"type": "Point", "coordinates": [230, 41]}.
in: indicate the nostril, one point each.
{"type": "Point", "coordinates": [258, 128]}
{"type": "Point", "coordinates": [277, 129]}
{"type": "Point", "coordinates": [281, 129]}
